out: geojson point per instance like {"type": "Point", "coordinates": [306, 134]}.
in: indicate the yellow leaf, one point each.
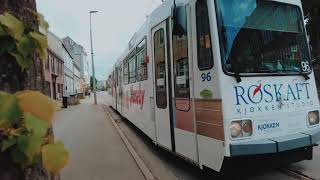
{"type": "Point", "coordinates": [14, 26]}
{"type": "Point", "coordinates": [37, 104]}
{"type": "Point", "coordinates": [54, 157]}
{"type": "Point", "coordinates": [42, 43]}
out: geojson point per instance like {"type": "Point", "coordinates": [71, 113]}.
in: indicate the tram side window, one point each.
{"type": "Point", "coordinates": [120, 75]}
{"type": "Point", "coordinates": [181, 60]}
{"type": "Point", "coordinates": [160, 69]}
{"type": "Point", "coordinates": [132, 70]}
{"type": "Point", "coordinates": [126, 72]}
{"type": "Point", "coordinates": [205, 60]}
{"type": "Point", "coordinates": [142, 66]}
{"type": "Point", "coordinates": [116, 76]}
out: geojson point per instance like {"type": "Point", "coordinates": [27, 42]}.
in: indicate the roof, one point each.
{"type": "Point", "coordinates": [63, 45]}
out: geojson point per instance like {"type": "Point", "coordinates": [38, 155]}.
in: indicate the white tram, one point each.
{"type": "Point", "coordinates": [212, 80]}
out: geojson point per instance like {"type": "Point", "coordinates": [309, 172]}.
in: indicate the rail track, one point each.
{"type": "Point", "coordinates": [285, 171]}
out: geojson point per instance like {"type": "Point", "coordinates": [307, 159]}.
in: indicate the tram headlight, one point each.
{"type": "Point", "coordinates": [240, 129]}
{"type": "Point", "coordinates": [247, 128]}
{"type": "Point", "coordinates": [313, 118]}
{"type": "Point", "coordinates": [235, 129]}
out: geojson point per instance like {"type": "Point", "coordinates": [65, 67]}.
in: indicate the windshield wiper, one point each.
{"type": "Point", "coordinates": [306, 77]}
{"type": "Point", "coordinates": [238, 77]}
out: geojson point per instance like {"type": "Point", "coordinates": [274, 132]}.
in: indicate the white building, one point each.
{"type": "Point", "coordinates": [81, 62]}
{"type": "Point", "coordinates": [69, 84]}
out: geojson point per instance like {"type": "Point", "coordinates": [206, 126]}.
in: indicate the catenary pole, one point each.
{"type": "Point", "coordinates": [92, 56]}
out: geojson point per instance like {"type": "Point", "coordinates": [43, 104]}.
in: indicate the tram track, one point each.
{"type": "Point", "coordinates": [295, 174]}
{"type": "Point", "coordinates": [285, 171]}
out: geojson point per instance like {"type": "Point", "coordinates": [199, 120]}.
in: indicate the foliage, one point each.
{"type": "Point", "coordinates": [54, 157]}
{"type": "Point", "coordinates": [26, 116]}
{"type": "Point", "coordinates": [47, 107]}
{"type": "Point", "coordinates": [91, 82]}
{"type": "Point", "coordinates": [21, 40]}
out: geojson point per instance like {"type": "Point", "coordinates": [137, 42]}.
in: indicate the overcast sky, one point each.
{"type": "Point", "coordinates": [113, 26]}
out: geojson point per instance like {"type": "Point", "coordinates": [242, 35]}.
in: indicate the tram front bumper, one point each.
{"type": "Point", "coordinates": [276, 145]}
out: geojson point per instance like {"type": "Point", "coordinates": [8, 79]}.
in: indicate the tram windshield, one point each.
{"type": "Point", "coordinates": [259, 36]}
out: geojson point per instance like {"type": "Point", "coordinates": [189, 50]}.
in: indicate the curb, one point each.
{"type": "Point", "coordinates": [142, 166]}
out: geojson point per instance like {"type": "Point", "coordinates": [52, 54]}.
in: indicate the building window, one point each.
{"type": "Point", "coordinates": [48, 62]}
{"type": "Point", "coordinates": [205, 60]}
{"type": "Point", "coordinates": [52, 65]}
{"type": "Point", "coordinates": [48, 88]}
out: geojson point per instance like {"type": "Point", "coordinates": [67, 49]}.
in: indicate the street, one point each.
{"type": "Point", "coordinates": [97, 152]}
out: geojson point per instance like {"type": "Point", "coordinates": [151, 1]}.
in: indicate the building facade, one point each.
{"type": "Point", "coordinates": [54, 68]}
{"type": "Point", "coordinates": [101, 85]}
{"type": "Point", "coordinates": [81, 65]}
{"type": "Point", "coordinates": [69, 85]}
{"type": "Point", "coordinates": [77, 79]}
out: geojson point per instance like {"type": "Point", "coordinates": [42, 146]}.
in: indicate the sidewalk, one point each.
{"type": "Point", "coordinates": [96, 150]}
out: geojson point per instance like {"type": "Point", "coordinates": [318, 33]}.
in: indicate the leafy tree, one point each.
{"type": "Point", "coordinates": [91, 82]}
{"type": "Point", "coordinates": [26, 138]}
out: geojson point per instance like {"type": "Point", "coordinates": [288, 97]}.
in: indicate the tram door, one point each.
{"type": "Point", "coordinates": [161, 73]}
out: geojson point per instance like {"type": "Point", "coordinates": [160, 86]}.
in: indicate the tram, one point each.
{"type": "Point", "coordinates": [211, 80]}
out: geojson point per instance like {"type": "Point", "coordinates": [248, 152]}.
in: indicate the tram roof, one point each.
{"type": "Point", "coordinates": [160, 14]}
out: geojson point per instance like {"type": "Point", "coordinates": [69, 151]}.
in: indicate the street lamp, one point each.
{"type": "Point", "coordinates": [93, 72]}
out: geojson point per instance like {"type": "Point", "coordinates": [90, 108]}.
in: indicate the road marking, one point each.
{"type": "Point", "coordinates": [142, 166]}
{"type": "Point", "coordinates": [295, 174]}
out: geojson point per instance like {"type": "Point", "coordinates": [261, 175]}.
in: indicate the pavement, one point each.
{"type": "Point", "coordinates": [96, 150]}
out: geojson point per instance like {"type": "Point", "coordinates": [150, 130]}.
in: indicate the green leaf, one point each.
{"type": "Point", "coordinates": [22, 61]}
{"type": "Point", "coordinates": [13, 25]}
{"type": "Point", "coordinates": [42, 22]}
{"type": "Point", "coordinates": [54, 157]}
{"type": "Point", "coordinates": [7, 143]}
{"type": "Point", "coordinates": [26, 46]}
{"type": "Point", "coordinates": [9, 110]}
{"type": "Point", "coordinates": [42, 43]}
{"type": "Point", "coordinates": [3, 31]}
{"type": "Point", "coordinates": [30, 145]}
{"type": "Point", "coordinates": [19, 157]}
{"type": "Point", "coordinates": [7, 44]}
{"type": "Point", "coordinates": [206, 94]}
{"type": "Point", "coordinates": [38, 127]}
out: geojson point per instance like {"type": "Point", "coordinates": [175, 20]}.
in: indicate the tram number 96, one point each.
{"type": "Point", "coordinates": [206, 77]}
{"type": "Point", "coordinates": [305, 66]}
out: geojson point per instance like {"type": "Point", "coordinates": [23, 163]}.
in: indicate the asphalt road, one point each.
{"type": "Point", "coordinates": [164, 165]}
